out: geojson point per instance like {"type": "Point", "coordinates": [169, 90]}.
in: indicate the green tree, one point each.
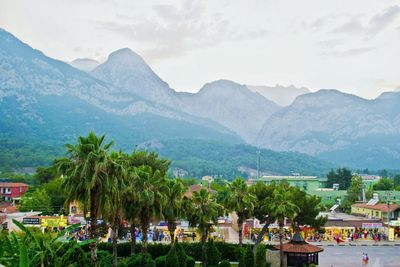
{"type": "Point", "coordinates": [150, 197]}
{"type": "Point", "coordinates": [131, 212]}
{"type": "Point", "coordinates": [282, 207]}
{"type": "Point", "coordinates": [55, 191]}
{"type": "Point", "coordinates": [262, 192]}
{"type": "Point", "coordinates": [241, 201]}
{"type": "Point", "coordinates": [385, 184]}
{"type": "Point", "coordinates": [147, 172]}
{"type": "Point", "coordinates": [355, 189]}
{"type": "Point", "coordinates": [396, 180]}
{"type": "Point", "coordinates": [342, 176]}
{"type": "Point", "coordinates": [203, 213]}
{"type": "Point", "coordinates": [85, 176]}
{"type": "Point", "coordinates": [45, 174]}
{"type": "Point", "coordinates": [309, 209]}
{"type": "Point", "coordinates": [38, 200]}
{"type": "Point", "coordinates": [116, 192]}
{"type": "Point", "coordinates": [174, 193]}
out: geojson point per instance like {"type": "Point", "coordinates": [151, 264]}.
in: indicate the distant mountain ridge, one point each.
{"type": "Point", "coordinates": [339, 127]}
{"type": "Point", "coordinates": [45, 103]}
{"type": "Point", "coordinates": [225, 102]}
{"type": "Point", "coordinates": [281, 95]}
{"type": "Point", "coordinates": [126, 98]}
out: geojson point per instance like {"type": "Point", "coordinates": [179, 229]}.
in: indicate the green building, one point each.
{"type": "Point", "coordinates": [307, 183]}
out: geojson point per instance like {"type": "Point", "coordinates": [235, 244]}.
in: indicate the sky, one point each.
{"type": "Point", "coordinates": [353, 46]}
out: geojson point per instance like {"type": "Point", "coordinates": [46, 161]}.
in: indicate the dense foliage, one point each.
{"type": "Point", "coordinates": [38, 200]}
{"type": "Point", "coordinates": [341, 176]}
{"type": "Point", "coordinates": [197, 157]}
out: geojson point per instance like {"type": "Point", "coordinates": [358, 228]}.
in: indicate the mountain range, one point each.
{"type": "Point", "coordinates": [50, 102]}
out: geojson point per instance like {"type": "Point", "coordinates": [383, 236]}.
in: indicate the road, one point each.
{"type": "Point", "coordinates": [347, 256]}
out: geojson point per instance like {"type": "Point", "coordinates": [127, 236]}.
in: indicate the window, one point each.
{"type": "Point", "coordinates": [7, 190]}
{"type": "Point", "coordinates": [20, 189]}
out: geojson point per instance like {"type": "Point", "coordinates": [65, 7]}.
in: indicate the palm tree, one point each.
{"type": "Point", "coordinates": [203, 213]}
{"type": "Point", "coordinates": [131, 213]}
{"type": "Point", "coordinates": [116, 192]}
{"type": "Point", "coordinates": [241, 201]}
{"type": "Point", "coordinates": [150, 197]}
{"type": "Point", "coordinates": [85, 175]}
{"type": "Point", "coordinates": [282, 207]}
{"type": "Point", "coordinates": [174, 209]}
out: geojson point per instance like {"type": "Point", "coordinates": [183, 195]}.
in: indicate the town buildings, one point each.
{"type": "Point", "coordinates": [12, 191]}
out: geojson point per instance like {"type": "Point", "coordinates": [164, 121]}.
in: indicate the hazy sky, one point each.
{"type": "Point", "coordinates": [352, 45]}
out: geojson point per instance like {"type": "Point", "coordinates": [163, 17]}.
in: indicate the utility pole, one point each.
{"type": "Point", "coordinates": [388, 213]}
{"type": "Point", "coordinates": [258, 164]}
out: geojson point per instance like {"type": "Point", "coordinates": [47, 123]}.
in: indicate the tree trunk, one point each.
{"type": "Point", "coordinates": [281, 243]}
{"type": "Point", "coordinates": [203, 248]}
{"type": "Point", "coordinates": [133, 238]}
{"type": "Point", "coordinates": [115, 228]}
{"type": "Point", "coordinates": [240, 226]}
{"type": "Point", "coordinates": [260, 236]}
{"type": "Point", "coordinates": [94, 207]}
{"type": "Point", "coordinates": [171, 229]}
{"type": "Point", "coordinates": [145, 218]}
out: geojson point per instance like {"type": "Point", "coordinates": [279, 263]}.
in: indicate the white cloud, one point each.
{"type": "Point", "coordinates": [313, 43]}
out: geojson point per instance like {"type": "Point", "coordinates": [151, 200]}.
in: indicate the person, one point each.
{"type": "Point", "coordinates": [193, 236]}
{"type": "Point", "coordinates": [365, 259]}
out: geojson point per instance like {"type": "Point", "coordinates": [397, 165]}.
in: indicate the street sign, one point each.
{"type": "Point", "coordinates": [33, 221]}
{"type": "Point", "coordinates": [372, 225]}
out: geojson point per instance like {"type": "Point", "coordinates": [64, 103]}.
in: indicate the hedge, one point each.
{"type": "Point", "coordinates": [156, 250]}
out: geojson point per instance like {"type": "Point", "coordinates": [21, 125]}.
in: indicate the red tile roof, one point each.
{"type": "Point", "coordinates": [7, 207]}
{"type": "Point", "coordinates": [197, 188]}
{"type": "Point", "coordinates": [12, 184]}
{"type": "Point", "coordinates": [380, 207]}
{"type": "Point", "coordinates": [298, 245]}
{"type": "Point", "coordinates": [300, 248]}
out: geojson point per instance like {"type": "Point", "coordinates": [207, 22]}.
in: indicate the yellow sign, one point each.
{"type": "Point", "coordinates": [391, 234]}
{"type": "Point", "coordinates": [54, 222]}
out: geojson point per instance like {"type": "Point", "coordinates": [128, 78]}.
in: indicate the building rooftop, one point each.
{"type": "Point", "coordinates": [340, 216]}
{"type": "Point", "coordinates": [298, 245]}
{"type": "Point", "coordinates": [379, 206]}
{"type": "Point", "coordinates": [197, 188]}
{"type": "Point", "coordinates": [288, 177]}
{"type": "Point", "coordinates": [10, 184]}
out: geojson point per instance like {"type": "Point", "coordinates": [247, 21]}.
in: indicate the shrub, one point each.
{"type": "Point", "coordinates": [181, 254]}
{"type": "Point", "coordinates": [224, 263]}
{"type": "Point", "coordinates": [161, 261]}
{"type": "Point", "coordinates": [104, 258]}
{"type": "Point", "coordinates": [141, 260]}
{"type": "Point", "coordinates": [261, 259]}
{"type": "Point", "coordinates": [213, 255]}
{"type": "Point", "coordinates": [228, 251]}
{"type": "Point", "coordinates": [172, 258]}
{"type": "Point", "coordinates": [249, 257]}
{"type": "Point", "coordinates": [190, 262]}
{"type": "Point", "coordinates": [239, 253]}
